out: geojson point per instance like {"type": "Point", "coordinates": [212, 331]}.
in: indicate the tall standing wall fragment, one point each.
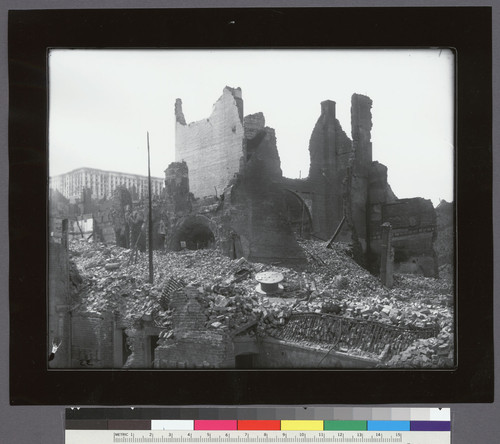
{"type": "Point", "coordinates": [212, 148]}
{"type": "Point", "coordinates": [330, 150]}
{"type": "Point", "coordinates": [361, 122]}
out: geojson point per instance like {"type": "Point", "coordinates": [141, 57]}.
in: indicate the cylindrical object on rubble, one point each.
{"type": "Point", "coordinates": [269, 282]}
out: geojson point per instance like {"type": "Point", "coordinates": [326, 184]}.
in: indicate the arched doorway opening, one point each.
{"type": "Point", "coordinates": [193, 233]}
{"type": "Point", "coordinates": [298, 214]}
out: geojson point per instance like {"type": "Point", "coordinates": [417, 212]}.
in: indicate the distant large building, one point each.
{"type": "Point", "coordinates": [103, 183]}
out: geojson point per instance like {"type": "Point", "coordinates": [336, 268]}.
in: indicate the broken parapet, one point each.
{"type": "Point", "coordinates": [212, 148]}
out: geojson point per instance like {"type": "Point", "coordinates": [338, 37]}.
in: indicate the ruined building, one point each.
{"type": "Point", "coordinates": [226, 190]}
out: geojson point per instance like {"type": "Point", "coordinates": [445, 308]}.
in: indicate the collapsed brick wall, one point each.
{"type": "Point", "coordinates": [212, 148]}
{"type": "Point", "coordinates": [192, 344]}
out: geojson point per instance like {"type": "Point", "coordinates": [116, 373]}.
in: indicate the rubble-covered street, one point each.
{"type": "Point", "coordinates": [107, 280]}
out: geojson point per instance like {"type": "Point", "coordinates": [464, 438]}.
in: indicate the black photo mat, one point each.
{"type": "Point", "coordinates": [466, 30]}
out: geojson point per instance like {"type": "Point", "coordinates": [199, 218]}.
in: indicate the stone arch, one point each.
{"type": "Point", "coordinates": [198, 232]}
{"type": "Point", "coordinates": [299, 214]}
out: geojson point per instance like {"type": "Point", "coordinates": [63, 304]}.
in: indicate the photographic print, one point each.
{"type": "Point", "coordinates": [251, 209]}
{"type": "Point", "coordinates": [320, 206]}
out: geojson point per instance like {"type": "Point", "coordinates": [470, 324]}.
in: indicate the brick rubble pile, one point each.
{"type": "Point", "coordinates": [331, 283]}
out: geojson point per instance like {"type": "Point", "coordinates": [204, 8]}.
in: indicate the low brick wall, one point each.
{"type": "Point", "coordinates": [192, 344]}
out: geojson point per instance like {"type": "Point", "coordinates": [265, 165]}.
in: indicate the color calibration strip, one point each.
{"type": "Point", "coordinates": [439, 422]}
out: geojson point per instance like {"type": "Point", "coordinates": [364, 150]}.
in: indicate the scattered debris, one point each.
{"type": "Point", "coordinates": [332, 286]}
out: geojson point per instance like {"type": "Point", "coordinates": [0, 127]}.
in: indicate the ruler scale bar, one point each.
{"type": "Point", "coordinates": [239, 437]}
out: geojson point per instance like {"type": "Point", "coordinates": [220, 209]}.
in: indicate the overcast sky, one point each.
{"type": "Point", "coordinates": [102, 103]}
